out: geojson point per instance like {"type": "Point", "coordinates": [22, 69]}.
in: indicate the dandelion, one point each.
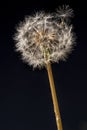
{"type": "Point", "coordinates": [43, 39]}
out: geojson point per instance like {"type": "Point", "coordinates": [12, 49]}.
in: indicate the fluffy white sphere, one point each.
{"type": "Point", "coordinates": [44, 38]}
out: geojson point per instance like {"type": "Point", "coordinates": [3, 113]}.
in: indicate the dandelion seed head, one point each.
{"type": "Point", "coordinates": [41, 39]}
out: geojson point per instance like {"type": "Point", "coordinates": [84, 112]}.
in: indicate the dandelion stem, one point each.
{"type": "Point", "coordinates": [54, 97]}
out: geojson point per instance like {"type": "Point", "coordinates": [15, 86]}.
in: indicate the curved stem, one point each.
{"type": "Point", "coordinates": [54, 97]}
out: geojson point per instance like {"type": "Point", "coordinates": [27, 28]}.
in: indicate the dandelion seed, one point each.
{"type": "Point", "coordinates": [64, 12]}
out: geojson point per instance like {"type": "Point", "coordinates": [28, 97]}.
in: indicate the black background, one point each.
{"type": "Point", "coordinates": [25, 98]}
